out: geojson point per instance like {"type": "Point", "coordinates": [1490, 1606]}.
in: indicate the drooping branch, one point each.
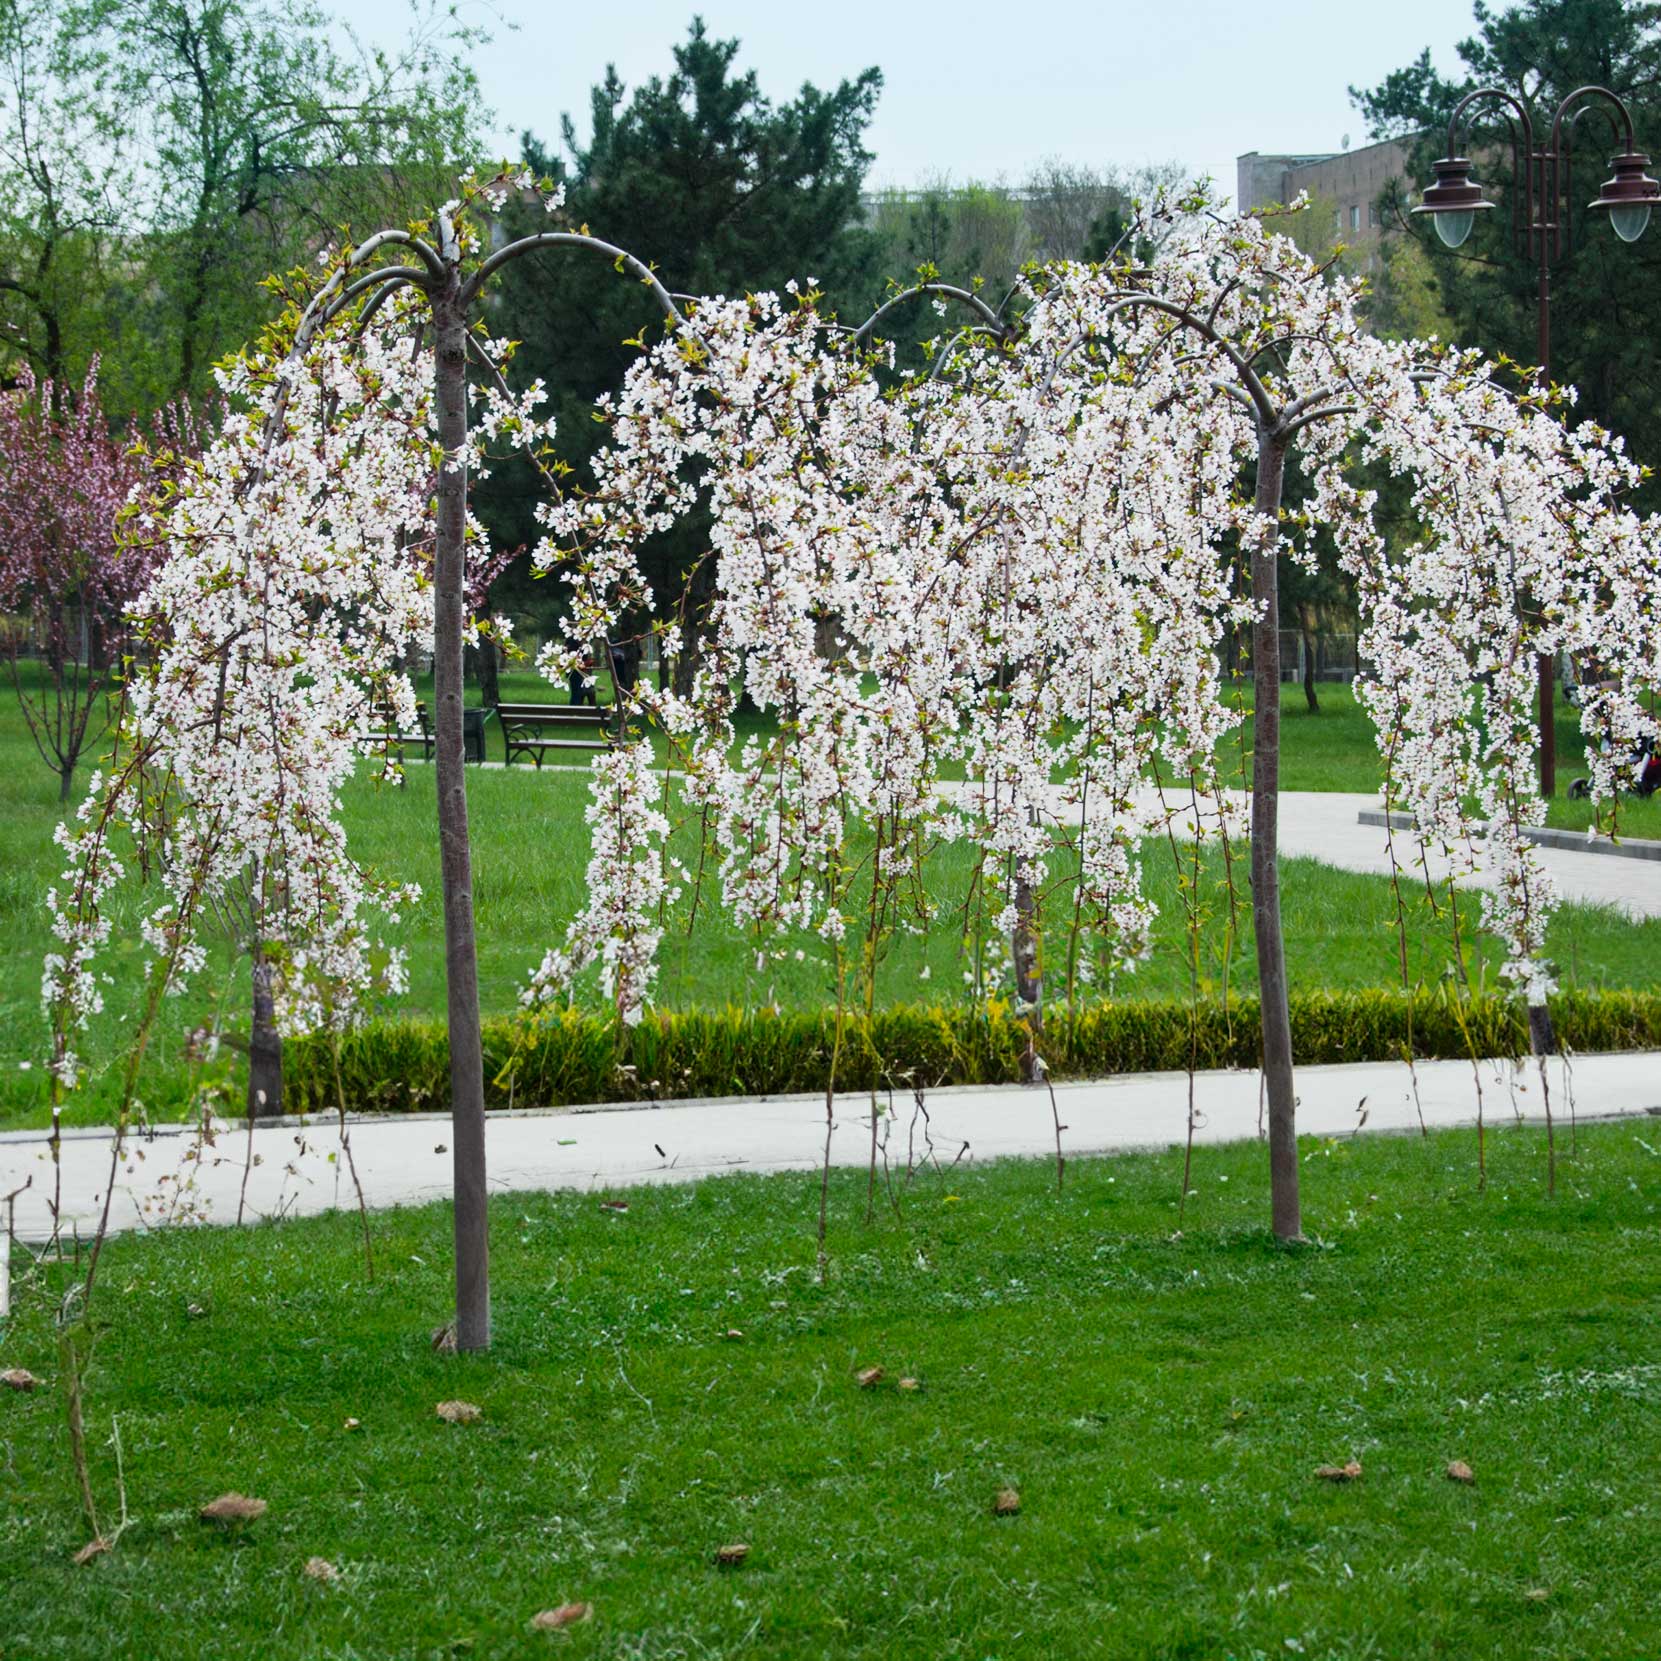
{"type": "Point", "coordinates": [945, 291]}
{"type": "Point", "coordinates": [474, 285]}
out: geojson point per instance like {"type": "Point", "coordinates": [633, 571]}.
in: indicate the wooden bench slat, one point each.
{"type": "Point", "coordinates": [387, 738]}
{"type": "Point", "coordinates": [522, 725]}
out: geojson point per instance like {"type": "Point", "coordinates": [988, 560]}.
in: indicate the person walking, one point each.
{"type": "Point", "coordinates": [580, 680]}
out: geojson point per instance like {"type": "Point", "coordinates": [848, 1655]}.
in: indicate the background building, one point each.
{"type": "Point", "coordinates": [1351, 181]}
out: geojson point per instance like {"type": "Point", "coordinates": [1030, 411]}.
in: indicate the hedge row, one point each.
{"type": "Point", "coordinates": [573, 1057]}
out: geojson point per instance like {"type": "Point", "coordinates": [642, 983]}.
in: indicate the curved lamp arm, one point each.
{"type": "Point", "coordinates": [1594, 97]}
{"type": "Point", "coordinates": [1516, 110]}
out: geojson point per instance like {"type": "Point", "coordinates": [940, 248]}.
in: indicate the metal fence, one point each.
{"type": "Point", "coordinates": [1333, 656]}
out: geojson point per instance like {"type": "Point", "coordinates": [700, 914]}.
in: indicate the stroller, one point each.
{"type": "Point", "coordinates": [1647, 770]}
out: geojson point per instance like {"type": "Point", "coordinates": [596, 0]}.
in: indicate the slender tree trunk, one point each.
{"type": "Point", "coordinates": [460, 955]}
{"type": "Point", "coordinates": [1308, 661]}
{"type": "Point", "coordinates": [265, 1044]}
{"type": "Point", "coordinates": [695, 602]}
{"type": "Point", "coordinates": [1265, 859]}
{"type": "Point", "coordinates": [1542, 1039]}
{"type": "Point", "coordinates": [1029, 983]}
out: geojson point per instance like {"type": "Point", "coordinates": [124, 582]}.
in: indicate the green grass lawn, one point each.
{"type": "Point", "coordinates": [1160, 1398]}
{"type": "Point", "coordinates": [530, 851]}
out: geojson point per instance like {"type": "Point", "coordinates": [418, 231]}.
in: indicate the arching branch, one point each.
{"type": "Point", "coordinates": [571, 239]}
{"type": "Point", "coordinates": [944, 291]}
{"type": "Point", "coordinates": [1249, 378]}
{"type": "Point", "coordinates": [374, 303]}
{"type": "Point", "coordinates": [423, 250]}
{"type": "Point", "coordinates": [394, 276]}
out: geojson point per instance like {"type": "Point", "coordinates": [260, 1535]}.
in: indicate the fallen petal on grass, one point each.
{"type": "Point", "coordinates": [459, 1412]}
{"type": "Point", "coordinates": [869, 1378]}
{"type": "Point", "coordinates": [1349, 1471]}
{"type": "Point", "coordinates": [320, 1568]}
{"type": "Point", "coordinates": [729, 1556]}
{"type": "Point", "coordinates": [1007, 1503]}
{"type": "Point", "coordinates": [556, 1620]}
{"type": "Point", "coordinates": [19, 1378]}
{"type": "Point", "coordinates": [232, 1508]}
{"type": "Point", "coordinates": [1459, 1471]}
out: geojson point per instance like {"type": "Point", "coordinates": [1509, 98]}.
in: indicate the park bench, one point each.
{"type": "Point", "coordinates": [472, 733]}
{"type": "Point", "coordinates": [391, 738]}
{"type": "Point", "coordinates": [534, 729]}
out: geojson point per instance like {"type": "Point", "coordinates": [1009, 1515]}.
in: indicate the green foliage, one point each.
{"type": "Point", "coordinates": [1159, 1390]}
{"type": "Point", "coordinates": [722, 190]}
{"type": "Point", "coordinates": [963, 232]}
{"type": "Point", "coordinates": [574, 1056]}
{"type": "Point", "coordinates": [159, 159]}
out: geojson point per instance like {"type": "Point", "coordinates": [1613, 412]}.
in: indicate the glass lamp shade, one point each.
{"type": "Point", "coordinates": [1629, 220]}
{"type": "Point", "coordinates": [1453, 227]}
{"type": "Point", "coordinates": [1629, 195]}
{"type": "Point", "coordinates": [1454, 200]}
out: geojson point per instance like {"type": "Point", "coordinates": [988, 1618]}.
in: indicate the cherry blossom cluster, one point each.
{"type": "Point", "coordinates": [291, 583]}
{"type": "Point", "coordinates": [985, 602]}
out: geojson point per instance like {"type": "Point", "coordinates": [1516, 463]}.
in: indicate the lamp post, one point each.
{"type": "Point", "coordinates": [1540, 228]}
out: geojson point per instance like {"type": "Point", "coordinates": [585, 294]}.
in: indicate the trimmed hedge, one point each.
{"type": "Point", "coordinates": [571, 1056]}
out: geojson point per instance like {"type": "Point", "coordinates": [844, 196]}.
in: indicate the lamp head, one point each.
{"type": "Point", "coordinates": [1629, 196]}
{"type": "Point", "coordinates": [1454, 201]}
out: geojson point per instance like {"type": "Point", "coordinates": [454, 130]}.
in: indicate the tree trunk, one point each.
{"type": "Point", "coordinates": [460, 955]}
{"type": "Point", "coordinates": [1029, 981]}
{"type": "Point", "coordinates": [1265, 858]}
{"type": "Point", "coordinates": [490, 683]}
{"type": "Point", "coordinates": [1308, 661]}
{"type": "Point", "coordinates": [827, 631]}
{"type": "Point", "coordinates": [695, 626]}
{"type": "Point", "coordinates": [265, 1044]}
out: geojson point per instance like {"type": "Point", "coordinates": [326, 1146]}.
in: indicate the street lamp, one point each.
{"type": "Point", "coordinates": [1540, 226]}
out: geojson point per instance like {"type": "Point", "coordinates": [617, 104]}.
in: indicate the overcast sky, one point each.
{"type": "Point", "coordinates": [968, 90]}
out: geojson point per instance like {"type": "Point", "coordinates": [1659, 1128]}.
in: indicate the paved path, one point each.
{"type": "Point", "coordinates": [1323, 825]}
{"type": "Point", "coordinates": [405, 1160]}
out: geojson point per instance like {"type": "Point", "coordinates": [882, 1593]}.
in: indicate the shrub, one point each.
{"type": "Point", "coordinates": [571, 1056]}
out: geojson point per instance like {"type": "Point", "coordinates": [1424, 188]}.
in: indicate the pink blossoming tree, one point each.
{"type": "Point", "coordinates": [63, 480]}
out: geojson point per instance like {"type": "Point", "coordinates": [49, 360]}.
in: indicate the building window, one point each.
{"type": "Point", "coordinates": [1372, 213]}
{"type": "Point", "coordinates": [1355, 216]}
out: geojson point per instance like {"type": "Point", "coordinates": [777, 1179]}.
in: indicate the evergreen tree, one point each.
{"type": "Point", "coordinates": [1606, 294]}
{"type": "Point", "coordinates": [723, 191]}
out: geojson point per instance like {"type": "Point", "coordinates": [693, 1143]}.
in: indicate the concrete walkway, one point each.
{"type": "Point", "coordinates": [299, 1168]}
{"type": "Point", "coordinates": [1325, 825]}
